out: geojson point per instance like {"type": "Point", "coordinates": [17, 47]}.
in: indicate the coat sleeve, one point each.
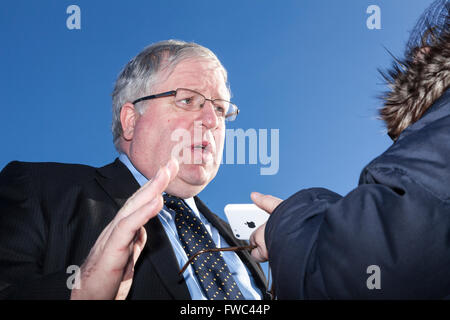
{"type": "Point", "coordinates": [23, 233]}
{"type": "Point", "coordinates": [387, 239]}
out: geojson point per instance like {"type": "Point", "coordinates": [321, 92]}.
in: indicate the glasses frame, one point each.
{"type": "Point", "coordinates": [174, 93]}
{"type": "Point", "coordinates": [270, 291]}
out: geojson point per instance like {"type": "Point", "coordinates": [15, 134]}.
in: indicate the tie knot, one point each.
{"type": "Point", "coordinates": [169, 197]}
{"type": "Point", "coordinates": [173, 202]}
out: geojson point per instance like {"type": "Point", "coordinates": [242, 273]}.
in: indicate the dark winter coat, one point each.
{"type": "Point", "coordinates": [388, 238]}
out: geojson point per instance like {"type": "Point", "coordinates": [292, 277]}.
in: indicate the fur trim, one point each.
{"type": "Point", "coordinates": [415, 85]}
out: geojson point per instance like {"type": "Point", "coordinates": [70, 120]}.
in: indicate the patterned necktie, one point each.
{"type": "Point", "coordinates": [210, 268]}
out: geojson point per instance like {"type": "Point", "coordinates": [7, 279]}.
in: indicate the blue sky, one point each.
{"type": "Point", "coordinates": [305, 67]}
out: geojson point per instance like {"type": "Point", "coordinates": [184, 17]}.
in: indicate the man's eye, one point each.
{"type": "Point", "coordinates": [221, 107]}
{"type": "Point", "coordinates": [220, 110]}
{"type": "Point", "coordinates": [186, 101]}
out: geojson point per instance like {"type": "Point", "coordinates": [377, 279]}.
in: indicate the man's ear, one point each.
{"type": "Point", "coordinates": [128, 118]}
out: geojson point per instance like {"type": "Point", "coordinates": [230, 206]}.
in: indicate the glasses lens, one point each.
{"type": "Point", "coordinates": [226, 109]}
{"type": "Point", "coordinates": [192, 101]}
{"type": "Point", "coordinates": [188, 100]}
{"type": "Point", "coordinates": [232, 113]}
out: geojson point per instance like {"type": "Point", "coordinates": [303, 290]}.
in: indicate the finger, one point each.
{"type": "Point", "coordinates": [127, 280]}
{"type": "Point", "coordinates": [252, 239]}
{"type": "Point", "coordinates": [128, 227]}
{"type": "Point", "coordinates": [151, 189]}
{"type": "Point", "coordinates": [259, 253]}
{"type": "Point", "coordinates": [258, 256]}
{"type": "Point", "coordinates": [173, 167]}
{"type": "Point", "coordinates": [266, 202]}
{"type": "Point", "coordinates": [118, 245]}
{"type": "Point", "coordinates": [147, 192]}
{"type": "Point", "coordinates": [139, 244]}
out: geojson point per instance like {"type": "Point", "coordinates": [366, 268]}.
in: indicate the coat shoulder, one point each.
{"type": "Point", "coordinates": [43, 172]}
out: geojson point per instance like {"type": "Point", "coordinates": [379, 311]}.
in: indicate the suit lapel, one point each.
{"type": "Point", "coordinates": [160, 254]}
{"type": "Point", "coordinates": [226, 232]}
{"type": "Point", "coordinates": [119, 183]}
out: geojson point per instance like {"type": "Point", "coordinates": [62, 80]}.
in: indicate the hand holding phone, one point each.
{"type": "Point", "coordinates": [244, 219]}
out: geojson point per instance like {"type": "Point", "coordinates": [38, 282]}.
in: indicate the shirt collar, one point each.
{"type": "Point", "coordinates": [140, 178]}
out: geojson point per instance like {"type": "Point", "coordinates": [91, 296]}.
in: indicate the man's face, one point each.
{"type": "Point", "coordinates": [164, 129]}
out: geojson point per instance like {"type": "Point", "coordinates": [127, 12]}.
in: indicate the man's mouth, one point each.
{"type": "Point", "coordinates": [202, 153]}
{"type": "Point", "coordinates": [204, 146]}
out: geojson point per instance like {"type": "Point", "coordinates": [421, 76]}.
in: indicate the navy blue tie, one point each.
{"type": "Point", "coordinates": [210, 268]}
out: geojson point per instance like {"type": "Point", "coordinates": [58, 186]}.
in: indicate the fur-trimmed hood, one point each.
{"type": "Point", "coordinates": [416, 84]}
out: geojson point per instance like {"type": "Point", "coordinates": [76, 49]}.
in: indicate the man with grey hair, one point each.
{"type": "Point", "coordinates": [56, 217]}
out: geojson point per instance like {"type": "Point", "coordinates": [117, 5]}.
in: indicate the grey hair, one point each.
{"type": "Point", "coordinates": [142, 72]}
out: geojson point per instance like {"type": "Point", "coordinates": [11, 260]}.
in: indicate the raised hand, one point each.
{"type": "Point", "coordinates": [108, 270]}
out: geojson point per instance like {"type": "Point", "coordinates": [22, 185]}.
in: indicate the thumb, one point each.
{"type": "Point", "coordinates": [266, 202]}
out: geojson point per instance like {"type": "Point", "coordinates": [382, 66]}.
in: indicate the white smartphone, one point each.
{"type": "Point", "coordinates": [244, 219]}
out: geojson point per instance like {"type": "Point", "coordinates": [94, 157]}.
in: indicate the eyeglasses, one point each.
{"type": "Point", "coordinates": [249, 247]}
{"type": "Point", "coordinates": [191, 100]}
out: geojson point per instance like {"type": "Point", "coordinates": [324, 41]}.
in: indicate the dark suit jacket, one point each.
{"type": "Point", "coordinates": [51, 214]}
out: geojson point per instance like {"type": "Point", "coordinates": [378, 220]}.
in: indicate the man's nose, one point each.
{"type": "Point", "coordinates": [209, 117]}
